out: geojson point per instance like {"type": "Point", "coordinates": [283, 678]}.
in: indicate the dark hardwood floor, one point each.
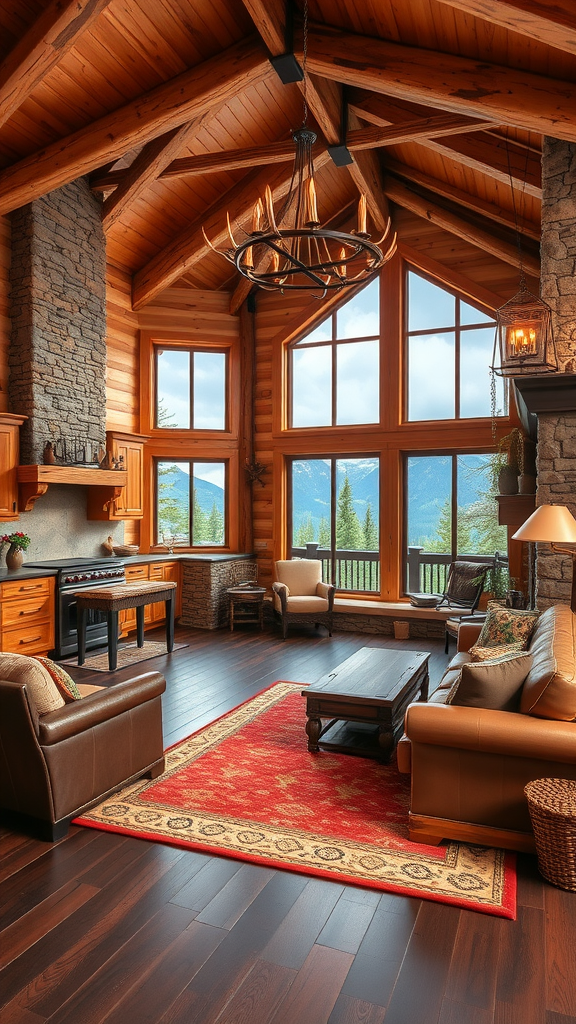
{"type": "Point", "coordinates": [105, 928]}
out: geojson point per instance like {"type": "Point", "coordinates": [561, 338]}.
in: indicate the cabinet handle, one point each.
{"type": "Point", "coordinates": [34, 586]}
{"type": "Point", "coordinates": [32, 640]}
{"type": "Point", "coordinates": [33, 612]}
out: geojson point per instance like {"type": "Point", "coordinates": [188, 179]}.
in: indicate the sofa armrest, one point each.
{"type": "Point", "coordinates": [468, 633]}
{"type": "Point", "coordinates": [99, 707]}
{"type": "Point", "coordinates": [494, 732]}
{"type": "Point", "coordinates": [326, 590]}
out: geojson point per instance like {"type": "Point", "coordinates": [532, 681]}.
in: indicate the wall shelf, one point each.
{"type": "Point", "coordinates": [514, 509]}
{"type": "Point", "coordinates": [33, 481]}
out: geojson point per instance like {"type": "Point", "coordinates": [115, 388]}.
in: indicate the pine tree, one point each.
{"type": "Point", "coordinates": [215, 526]}
{"type": "Point", "coordinates": [200, 527]}
{"type": "Point", "coordinates": [173, 517]}
{"type": "Point", "coordinates": [348, 530]}
{"type": "Point", "coordinates": [370, 531]}
{"type": "Point", "coordinates": [324, 533]}
{"type": "Point", "coordinates": [305, 534]}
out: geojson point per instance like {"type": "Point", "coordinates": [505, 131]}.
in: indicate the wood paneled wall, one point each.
{"type": "Point", "coordinates": [283, 317]}
{"type": "Point", "coordinates": [4, 310]}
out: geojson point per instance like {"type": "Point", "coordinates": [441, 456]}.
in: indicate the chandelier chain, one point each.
{"type": "Point", "coordinates": [304, 59]}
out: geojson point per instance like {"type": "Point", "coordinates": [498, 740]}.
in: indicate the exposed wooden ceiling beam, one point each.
{"type": "Point", "coordinates": [549, 21]}
{"type": "Point", "coordinates": [148, 166]}
{"type": "Point", "coordinates": [505, 95]}
{"type": "Point", "coordinates": [167, 106]}
{"type": "Point", "coordinates": [492, 155]}
{"type": "Point", "coordinates": [189, 246]}
{"type": "Point", "coordinates": [456, 225]}
{"type": "Point", "coordinates": [280, 152]}
{"type": "Point", "coordinates": [51, 35]}
{"type": "Point", "coordinates": [325, 101]}
{"type": "Point", "coordinates": [461, 198]}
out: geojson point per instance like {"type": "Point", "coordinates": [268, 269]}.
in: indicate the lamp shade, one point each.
{"type": "Point", "coordinates": [549, 524]}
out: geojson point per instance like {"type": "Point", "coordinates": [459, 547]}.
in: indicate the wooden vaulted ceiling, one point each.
{"type": "Point", "coordinates": [175, 111]}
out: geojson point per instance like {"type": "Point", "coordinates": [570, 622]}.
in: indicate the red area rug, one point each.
{"type": "Point", "coordinates": [247, 787]}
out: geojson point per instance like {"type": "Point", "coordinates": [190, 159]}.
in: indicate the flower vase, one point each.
{"type": "Point", "coordinates": [14, 557]}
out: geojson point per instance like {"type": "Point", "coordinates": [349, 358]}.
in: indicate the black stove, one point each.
{"type": "Point", "coordinates": [76, 574]}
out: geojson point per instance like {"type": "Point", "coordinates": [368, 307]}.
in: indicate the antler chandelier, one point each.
{"type": "Point", "coordinates": [289, 249]}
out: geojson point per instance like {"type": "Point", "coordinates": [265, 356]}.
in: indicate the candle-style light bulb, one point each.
{"type": "Point", "coordinates": [275, 262]}
{"type": "Point", "coordinates": [257, 216]}
{"type": "Point", "coordinates": [362, 215]}
{"type": "Point", "coordinates": [343, 264]}
{"type": "Point", "coordinates": [248, 258]}
{"type": "Point", "coordinates": [311, 207]}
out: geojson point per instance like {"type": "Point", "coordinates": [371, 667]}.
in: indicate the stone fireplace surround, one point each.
{"type": "Point", "coordinates": [57, 357]}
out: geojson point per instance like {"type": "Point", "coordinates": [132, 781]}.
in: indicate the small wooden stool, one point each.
{"type": "Point", "coordinates": [116, 598]}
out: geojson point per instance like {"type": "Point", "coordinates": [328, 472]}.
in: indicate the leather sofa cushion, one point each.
{"type": "Point", "coordinates": [41, 688]}
{"type": "Point", "coordinates": [550, 688]}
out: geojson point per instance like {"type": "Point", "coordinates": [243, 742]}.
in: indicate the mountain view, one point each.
{"type": "Point", "coordinates": [174, 503]}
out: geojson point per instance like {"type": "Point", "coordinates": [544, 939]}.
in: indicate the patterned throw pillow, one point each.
{"type": "Point", "coordinates": [66, 685]}
{"type": "Point", "coordinates": [506, 626]}
{"type": "Point", "coordinates": [43, 692]}
{"type": "Point", "coordinates": [495, 685]}
{"type": "Point", "coordinates": [478, 653]}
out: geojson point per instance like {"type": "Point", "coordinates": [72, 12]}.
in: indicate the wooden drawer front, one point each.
{"type": "Point", "coordinates": [27, 588]}
{"type": "Point", "coordinates": [28, 639]}
{"type": "Point", "coordinates": [27, 611]}
{"type": "Point", "coordinates": [137, 572]}
{"type": "Point", "coordinates": [157, 571]}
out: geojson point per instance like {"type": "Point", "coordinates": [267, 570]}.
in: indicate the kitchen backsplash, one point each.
{"type": "Point", "coordinates": [58, 528]}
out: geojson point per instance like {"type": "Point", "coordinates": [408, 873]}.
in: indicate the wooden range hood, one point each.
{"type": "Point", "coordinates": [33, 481]}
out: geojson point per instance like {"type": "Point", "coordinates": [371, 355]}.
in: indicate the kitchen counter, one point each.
{"type": "Point", "coordinates": [210, 557]}
{"type": "Point", "coordinates": [25, 572]}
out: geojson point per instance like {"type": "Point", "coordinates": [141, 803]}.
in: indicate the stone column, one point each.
{"type": "Point", "coordinates": [556, 452]}
{"type": "Point", "coordinates": [58, 308]}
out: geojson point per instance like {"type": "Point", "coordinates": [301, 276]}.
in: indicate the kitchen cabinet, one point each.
{"type": "Point", "coordinates": [154, 614]}
{"type": "Point", "coordinates": [9, 458]}
{"type": "Point", "coordinates": [27, 615]}
{"type": "Point", "coordinates": [129, 504]}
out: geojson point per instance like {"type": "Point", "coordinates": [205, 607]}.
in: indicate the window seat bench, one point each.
{"type": "Point", "coordinates": [380, 616]}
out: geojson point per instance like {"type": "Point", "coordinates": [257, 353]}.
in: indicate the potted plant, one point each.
{"type": "Point", "coordinates": [18, 542]}
{"type": "Point", "coordinates": [511, 449]}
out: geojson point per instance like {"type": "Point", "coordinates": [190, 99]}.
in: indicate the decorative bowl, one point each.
{"type": "Point", "coordinates": [125, 549]}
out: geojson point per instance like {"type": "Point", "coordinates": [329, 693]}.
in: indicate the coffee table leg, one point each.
{"type": "Point", "coordinates": [385, 743]}
{"type": "Point", "coordinates": [313, 729]}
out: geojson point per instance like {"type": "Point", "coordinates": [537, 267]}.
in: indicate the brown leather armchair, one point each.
{"type": "Point", "coordinates": [54, 766]}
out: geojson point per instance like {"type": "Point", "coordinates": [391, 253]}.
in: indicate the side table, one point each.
{"type": "Point", "coordinates": [246, 605]}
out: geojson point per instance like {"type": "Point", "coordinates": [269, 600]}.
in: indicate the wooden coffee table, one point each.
{"type": "Point", "coordinates": [359, 707]}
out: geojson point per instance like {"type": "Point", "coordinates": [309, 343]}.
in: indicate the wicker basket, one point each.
{"type": "Point", "coordinates": [552, 806]}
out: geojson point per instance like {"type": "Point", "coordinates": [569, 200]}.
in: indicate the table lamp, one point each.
{"type": "Point", "coordinates": [552, 525]}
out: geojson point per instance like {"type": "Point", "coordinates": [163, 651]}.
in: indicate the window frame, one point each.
{"type": "Point", "coordinates": [157, 347]}
{"type": "Point", "coordinates": [299, 342]}
{"type": "Point", "coordinates": [334, 457]}
{"type": "Point", "coordinates": [457, 329]}
{"type": "Point", "coordinates": [150, 341]}
{"type": "Point", "coordinates": [192, 461]}
{"type": "Point", "coordinates": [453, 454]}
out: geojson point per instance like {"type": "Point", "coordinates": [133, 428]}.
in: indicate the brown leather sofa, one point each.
{"type": "Point", "coordinates": [54, 766]}
{"type": "Point", "coordinates": [469, 766]}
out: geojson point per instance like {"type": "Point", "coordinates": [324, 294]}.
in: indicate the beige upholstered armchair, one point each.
{"type": "Point", "coordinates": [299, 594]}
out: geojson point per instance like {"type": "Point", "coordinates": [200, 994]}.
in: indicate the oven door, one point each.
{"type": "Point", "coordinates": [67, 622]}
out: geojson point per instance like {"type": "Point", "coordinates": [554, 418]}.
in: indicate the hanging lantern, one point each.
{"type": "Point", "coordinates": [524, 342]}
